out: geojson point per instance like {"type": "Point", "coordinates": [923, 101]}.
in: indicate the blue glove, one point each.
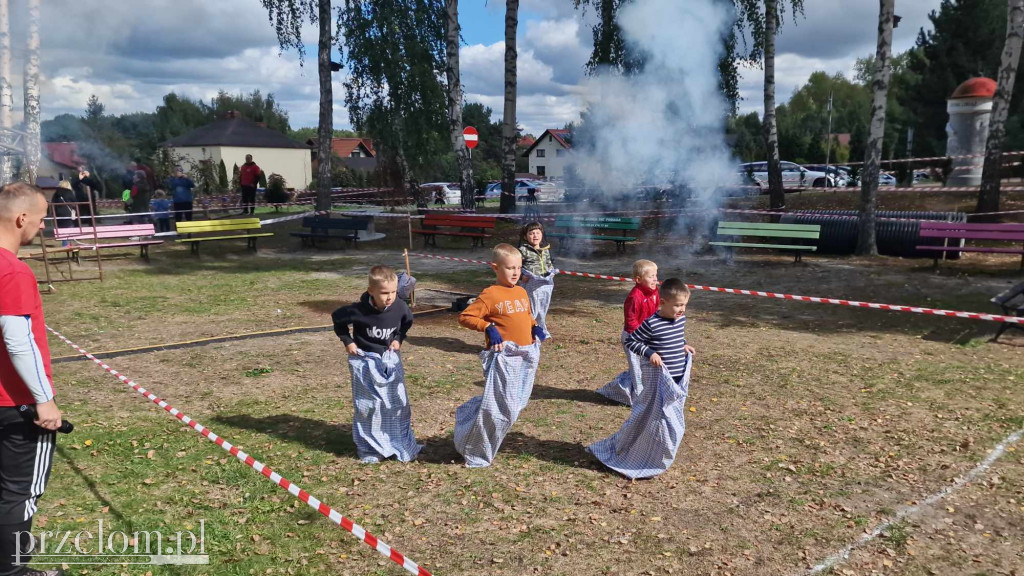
{"type": "Point", "coordinates": [493, 336]}
{"type": "Point", "coordinates": [539, 333]}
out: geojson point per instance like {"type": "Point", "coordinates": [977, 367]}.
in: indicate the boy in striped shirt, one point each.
{"type": "Point", "coordinates": [661, 338]}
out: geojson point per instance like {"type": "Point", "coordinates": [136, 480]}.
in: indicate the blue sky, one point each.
{"type": "Point", "coordinates": [131, 54]}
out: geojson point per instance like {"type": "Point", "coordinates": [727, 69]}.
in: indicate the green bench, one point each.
{"type": "Point", "coordinates": [615, 229]}
{"type": "Point", "coordinates": [237, 229]}
{"type": "Point", "coordinates": [799, 233]}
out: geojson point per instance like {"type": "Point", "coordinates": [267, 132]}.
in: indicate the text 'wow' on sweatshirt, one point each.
{"type": "Point", "coordinates": [508, 308]}
{"type": "Point", "coordinates": [372, 330]}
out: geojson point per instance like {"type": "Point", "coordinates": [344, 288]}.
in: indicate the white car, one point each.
{"type": "Point", "coordinates": [793, 175]}
{"type": "Point", "coordinates": [435, 191]}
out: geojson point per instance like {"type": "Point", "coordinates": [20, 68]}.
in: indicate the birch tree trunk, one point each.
{"type": "Point", "coordinates": [988, 195]}
{"type": "Point", "coordinates": [455, 105]}
{"type": "Point", "coordinates": [777, 193]}
{"type": "Point", "coordinates": [32, 141]}
{"type": "Point", "coordinates": [866, 244]}
{"type": "Point", "coordinates": [6, 92]}
{"type": "Point", "coordinates": [325, 126]}
{"type": "Point", "coordinates": [508, 129]}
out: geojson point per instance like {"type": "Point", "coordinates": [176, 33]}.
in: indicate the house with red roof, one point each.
{"type": "Point", "coordinates": [60, 160]}
{"type": "Point", "coordinates": [355, 153]}
{"type": "Point", "coordinates": [550, 153]}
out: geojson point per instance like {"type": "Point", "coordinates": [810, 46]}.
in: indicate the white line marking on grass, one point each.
{"type": "Point", "coordinates": [959, 483]}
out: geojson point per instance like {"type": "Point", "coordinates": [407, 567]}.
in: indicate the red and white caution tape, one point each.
{"type": "Point", "coordinates": [781, 296]}
{"type": "Point", "coordinates": [331, 514]}
{"type": "Point", "coordinates": [933, 158]}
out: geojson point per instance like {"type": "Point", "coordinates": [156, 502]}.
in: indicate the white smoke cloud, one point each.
{"type": "Point", "coordinates": [665, 123]}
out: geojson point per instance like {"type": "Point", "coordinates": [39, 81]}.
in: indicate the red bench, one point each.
{"type": "Point", "coordinates": [469, 227]}
{"type": "Point", "coordinates": [959, 232]}
{"type": "Point", "coordinates": [133, 234]}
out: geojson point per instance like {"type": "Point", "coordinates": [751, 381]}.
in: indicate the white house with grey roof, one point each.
{"type": "Point", "coordinates": [232, 138]}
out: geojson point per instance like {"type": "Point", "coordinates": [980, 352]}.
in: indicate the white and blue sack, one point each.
{"type": "Point", "coordinates": [627, 385]}
{"type": "Point", "coordinates": [647, 443]}
{"type": "Point", "coordinates": [539, 289]}
{"type": "Point", "coordinates": [482, 422]}
{"type": "Point", "coordinates": [381, 423]}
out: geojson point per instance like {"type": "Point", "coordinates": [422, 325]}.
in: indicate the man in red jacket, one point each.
{"type": "Point", "coordinates": [248, 179]}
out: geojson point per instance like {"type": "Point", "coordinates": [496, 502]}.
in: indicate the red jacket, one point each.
{"type": "Point", "coordinates": [641, 304]}
{"type": "Point", "coordinates": [249, 174]}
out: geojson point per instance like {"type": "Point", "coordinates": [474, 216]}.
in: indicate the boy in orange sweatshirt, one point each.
{"type": "Point", "coordinates": [502, 313]}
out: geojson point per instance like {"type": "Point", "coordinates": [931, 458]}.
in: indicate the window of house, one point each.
{"type": "Point", "coordinates": [541, 171]}
{"type": "Point", "coordinates": [559, 153]}
{"type": "Point", "coordinates": [540, 153]}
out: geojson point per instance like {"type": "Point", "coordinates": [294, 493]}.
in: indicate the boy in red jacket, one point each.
{"type": "Point", "coordinates": [641, 303]}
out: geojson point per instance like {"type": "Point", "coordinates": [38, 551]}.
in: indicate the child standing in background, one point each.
{"type": "Point", "coordinates": [162, 211]}
{"type": "Point", "coordinates": [538, 272]}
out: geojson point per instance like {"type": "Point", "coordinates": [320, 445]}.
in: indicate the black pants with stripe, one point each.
{"type": "Point", "coordinates": [26, 452]}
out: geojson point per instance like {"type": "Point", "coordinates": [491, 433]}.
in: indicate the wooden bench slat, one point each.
{"type": "Point", "coordinates": [980, 227]}
{"type": "Point", "coordinates": [770, 226]}
{"type": "Point", "coordinates": [236, 236]}
{"type": "Point", "coordinates": [769, 234]}
{"type": "Point", "coordinates": [452, 233]}
{"type": "Point", "coordinates": [974, 235]}
{"type": "Point", "coordinates": [593, 237]}
{"type": "Point", "coordinates": [992, 249]}
{"type": "Point", "coordinates": [776, 246]}
{"type": "Point", "coordinates": [121, 244]}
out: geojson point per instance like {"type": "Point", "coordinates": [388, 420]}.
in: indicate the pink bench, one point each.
{"type": "Point", "coordinates": [959, 232]}
{"type": "Point", "coordinates": [133, 234]}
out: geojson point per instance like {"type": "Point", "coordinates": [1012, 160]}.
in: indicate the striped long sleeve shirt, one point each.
{"type": "Point", "coordinates": [664, 337]}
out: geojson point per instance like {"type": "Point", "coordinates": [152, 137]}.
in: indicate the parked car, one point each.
{"type": "Point", "coordinates": [442, 192]}
{"type": "Point", "coordinates": [883, 179]}
{"type": "Point", "coordinates": [840, 179]}
{"type": "Point", "coordinates": [793, 175]}
{"type": "Point", "coordinates": [545, 191]}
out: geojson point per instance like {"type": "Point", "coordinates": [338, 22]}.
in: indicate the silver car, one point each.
{"type": "Point", "coordinates": [793, 175]}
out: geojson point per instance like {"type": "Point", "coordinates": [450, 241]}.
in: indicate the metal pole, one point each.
{"type": "Point", "coordinates": [409, 220]}
{"type": "Point", "coordinates": [412, 297]}
{"type": "Point", "coordinates": [828, 136]}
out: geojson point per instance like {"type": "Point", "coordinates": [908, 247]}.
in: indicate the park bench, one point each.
{"type": "Point", "coordinates": [468, 226]}
{"type": "Point", "coordinates": [324, 228]}
{"type": "Point", "coordinates": [124, 236]}
{"type": "Point", "coordinates": [959, 232]}
{"type": "Point", "coordinates": [1012, 304]}
{"type": "Point", "coordinates": [236, 229]}
{"type": "Point", "coordinates": [798, 233]}
{"type": "Point", "coordinates": [616, 229]}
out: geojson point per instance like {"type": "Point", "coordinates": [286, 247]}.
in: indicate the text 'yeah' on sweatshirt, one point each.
{"type": "Point", "coordinates": [372, 330]}
{"type": "Point", "coordinates": [508, 308]}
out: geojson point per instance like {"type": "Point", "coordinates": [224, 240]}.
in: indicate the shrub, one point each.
{"type": "Point", "coordinates": [277, 193]}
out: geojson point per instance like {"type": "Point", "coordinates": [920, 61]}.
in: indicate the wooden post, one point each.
{"type": "Point", "coordinates": [412, 298]}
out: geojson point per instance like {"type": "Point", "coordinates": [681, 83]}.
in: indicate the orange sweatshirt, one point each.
{"type": "Point", "coordinates": [507, 308]}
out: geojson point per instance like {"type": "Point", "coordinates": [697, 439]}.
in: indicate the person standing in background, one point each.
{"type": "Point", "coordinates": [249, 179]}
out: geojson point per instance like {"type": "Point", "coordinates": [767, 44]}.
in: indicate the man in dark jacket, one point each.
{"type": "Point", "coordinates": [180, 187]}
{"type": "Point", "coordinates": [248, 179]}
{"type": "Point", "coordinates": [86, 186]}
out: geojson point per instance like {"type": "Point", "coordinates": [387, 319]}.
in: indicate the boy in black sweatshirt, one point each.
{"type": "Point", "coordinates": [373, 330]}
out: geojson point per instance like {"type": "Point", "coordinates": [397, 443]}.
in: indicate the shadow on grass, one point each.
{"type": "Point", "coordinates": [314, 434]}
{"type": "Point", "coordinates": [542, 392]}
{"type": "Point", "coordinates": [516, 445]}
{"type": "Point", "coordinates": [94, 489]}
{"type": "Point", "coordinates": [444, 344]}
{"type": "Point", "coordinates": [323, 306]}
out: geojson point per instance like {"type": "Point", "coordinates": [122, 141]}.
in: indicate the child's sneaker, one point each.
{"type": "Point", "coordinates": [370, 460]}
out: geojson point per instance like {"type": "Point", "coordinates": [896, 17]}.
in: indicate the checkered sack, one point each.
{"type": "Point", "coordinates": [627, 385]}
{"type": "Point", "coordinates": [539, 289]}
{"type": "Point", "coordinates": [482, 423]}
{"type": "Point", "coordinates": [381, 426]}
{"type": "Point", "coordinates": [646, 444]}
